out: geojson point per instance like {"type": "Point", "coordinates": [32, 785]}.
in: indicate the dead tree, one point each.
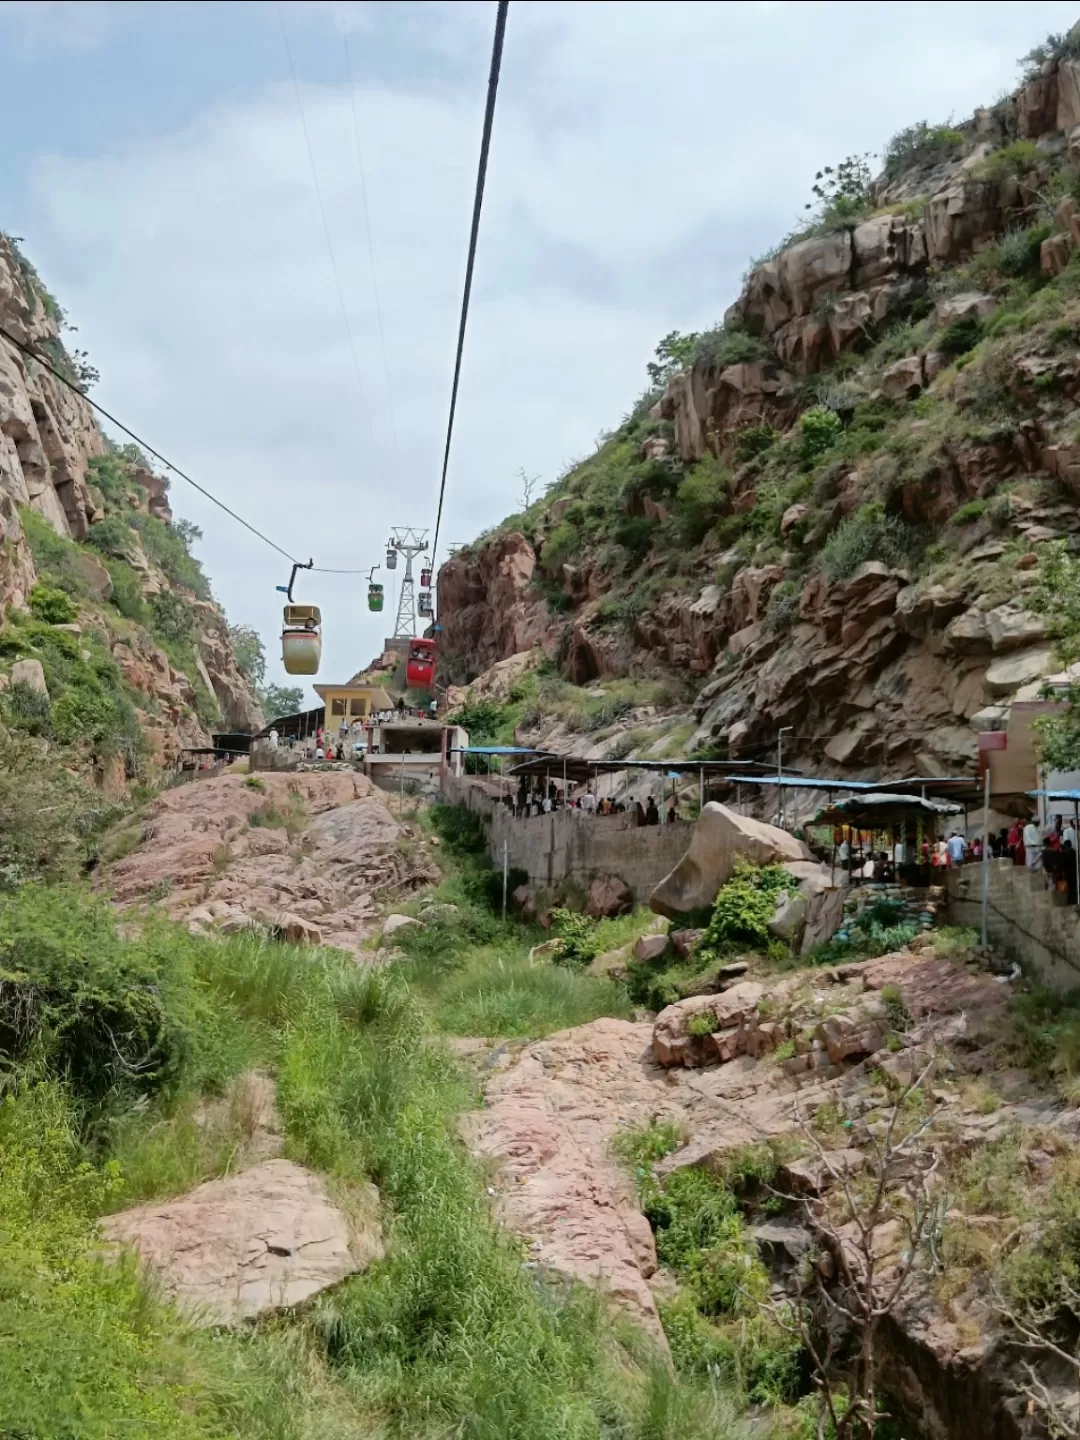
{"type": "Point", "coordinates": [846, 1293]}
{"type": "Point", "coordinates": [1057, 1407]}
{"type": "Point", "coordinates": [528, 487]}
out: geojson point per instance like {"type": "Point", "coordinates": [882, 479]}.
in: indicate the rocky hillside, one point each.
{"type": "Point", "coordinates": [827, 511]}
{"type": "Point", "coordinates": [111, 644]}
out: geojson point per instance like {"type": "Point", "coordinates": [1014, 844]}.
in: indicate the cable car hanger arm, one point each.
{"type": "Point", "coordinates": [286, 590]}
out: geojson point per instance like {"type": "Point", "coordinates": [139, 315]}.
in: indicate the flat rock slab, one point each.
{"type": "Point", "coordinates": [235, 1249]}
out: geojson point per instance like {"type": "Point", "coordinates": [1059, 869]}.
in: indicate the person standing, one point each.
{"type": "Point", "coordinates": [1032, 847]}
{"type": "Point", "coordinates": [652, 814]}
{"type": "Point", "coordinates": [956, 848]}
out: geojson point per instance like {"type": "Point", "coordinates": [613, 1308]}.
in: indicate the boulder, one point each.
{"type": "Point", "coordinates": [959, 307]}
{"type": "Point", "coordinates": [904, 379]}
{"type": "Point", "coordinates": [792, 516]}
{"type": "Point", "coordinates": [296, 930]}
{"type": "Point", "coordinates": [94, 574]}
{"type": "Point", "coordinates": [649, 948]}
{"type": "Point", "coordinates": [1054, 254]}
{"type": "Point", "coordinates": [789, 918]}
{"type": "Point", "coordinates": [609, 896]}
{"type": "Point", "coordinates": [265, 1240]}
{"type": "Point", "coordinates": [721, 837]}
{"type": "Point", "coordinates": [31, 674]}
{"type": "Point", "coordinates": [393, 923]}
{"type": "Point", "coordinates": [1007, 675]}
{"type": "Point", "coordinates": [1011, 629]}
{"type": "Point", "coordinates": [685, 941]}
{"type": "Point", "coordinates": [674, 1042]}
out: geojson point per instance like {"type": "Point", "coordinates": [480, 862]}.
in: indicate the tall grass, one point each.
{"type": "Point", "coordinates": [452, 1334]}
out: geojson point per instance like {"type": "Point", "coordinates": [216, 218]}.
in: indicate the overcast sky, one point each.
{"type": "Point", "coordinates": [155, 161]}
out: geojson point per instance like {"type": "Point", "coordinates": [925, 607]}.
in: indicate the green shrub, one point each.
{"type": "Point", "coordinates": [1018, 158]}
{"type": "Point", "coordinates": [819, 430]}
{"type": "Point", "coordinates": [105, 1015]}
{"type": "Point", "coordinates": [27, 708]}
{"type": "Point", "coordinates": [114, 536]}
{"type": "Point", "coordinates": [127, 594]}
{"type": "Point", "coordinates": [721, 347]}
{"type": "Point", "coordinates": [959, 336]}
{"type": "Point", "coordinates": [701, 499]}
{"type": "Point", "coordinates": [742, 910]}
{"type": "Point", "coordinates": [1018, 251]}
{"type": "Point", "coordinates": [753, 440]}
{"type": "Point", "coordinates": [166, 546]}
{"type": "Point", "coordinates": [783, 607]}
{"type": "Point", "coordinates": [920, 144]}
{"type": "Point", "coordinates": [56, 558]}
{"type": "Point", "coordinates": [49, 819]}
{"type": "Point", "coordinates": [52, 605]}
{"type": "Point", "coordinates": [561, 546]}
{"type": "Point", "coordinates": [869, 534]}
{"type": "Point", "coordinates": [968, 513]}
{"type": "Point", "coordinates": [635, 533]}
{"type": "Point", "coordinates": [577, 939]}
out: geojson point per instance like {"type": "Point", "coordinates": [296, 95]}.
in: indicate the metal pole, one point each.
{"type": "Point", "coordinates": [986, 854]}
{"type": "Point", "coordinates": [506, 875]}
{"type": "Point", "coordinates": [1076, 846]}
{"type": "Point", "coordinates": [401, 788]}
{"type": "Point", "coordinates": [701, 787]}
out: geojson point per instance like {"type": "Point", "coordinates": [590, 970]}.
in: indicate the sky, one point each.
{"type": "Point", "coordinates": [169, 167]}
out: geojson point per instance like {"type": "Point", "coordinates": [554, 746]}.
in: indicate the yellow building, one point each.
{"type": "Point", "coordinates": [355, 700]}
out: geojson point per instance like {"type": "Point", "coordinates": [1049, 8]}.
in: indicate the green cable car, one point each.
{"type": "Point", "coordinates": [374, 590]}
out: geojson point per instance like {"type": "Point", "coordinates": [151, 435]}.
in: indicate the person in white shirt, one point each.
{"type": "Point", "coordinates": [320, 753]}
{"type": "Point", "coordinates": [899, 854]}
{"type": "Point", "coordinates": [272, 738]}
{"type": "Point", "coordinates": [1069, 834]}
{"type": "Point", "coordinates": [1032, 846]}
{"type": "Point", "coordinates": [844, 853]}
{"type": "Point", "coordinates": [546, 806]}
{"type": "Point", "coordinates": [588, 801]}
{"type": "Point", "coordinates": [956, 848]}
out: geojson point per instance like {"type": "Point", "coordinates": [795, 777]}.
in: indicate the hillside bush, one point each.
{"type": "Point", "coordinates": [26, 708]}
{"type": "Point", "coordinates": [167, 547]}
{"type": "Point", "coordinates": [723, 346]}
{"type": "Point", "coordinates": [56, 558]}
{"type": "Point", "coordinates": [105, 1015]}
{"type": "Point", "coordinates": [920, 144]}
{"type": "Point", "coordinates": [113, 536]}
{"type": "Point", "coordinates": [820, 428]}
{"type": "Point", "coordinates": [52, 605]}
{"type": "Point", "coordinates": [754, 440]}
{"type": "Point", "coordinates": [702, 499]}
{"type": "Point", "coordinates": [127, 594]}
{"type": "Point", "coordinates": [1020, 157]}
{"type": "Point", "coordinates": [869, 534]}
{"type": "Point", "coordinates": [742, 910]}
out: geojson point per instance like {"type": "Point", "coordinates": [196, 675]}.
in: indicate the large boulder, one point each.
{"type": "Point", "coordinates": [609, 896]}
{"type": "Point", "coordinates": [721, 838]}
{"type": "Point", "coordinates": [265, 1240]}
{"type": "Point", "coordinates": [31, 674]}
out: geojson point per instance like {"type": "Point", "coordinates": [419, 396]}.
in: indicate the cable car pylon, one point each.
{"type": "Point", "coordinates": [409, 543]}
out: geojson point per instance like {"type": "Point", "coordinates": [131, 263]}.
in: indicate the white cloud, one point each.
{"type": "Point", "coordinates": [60, 24]}
{"type": "Point", "coordinates": [642, 153]}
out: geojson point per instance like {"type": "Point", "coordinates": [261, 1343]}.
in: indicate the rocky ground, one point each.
{"type": "Point", "coordinates": [807, 1062]}
{"type": "Point", "coordinates": [309, 856]}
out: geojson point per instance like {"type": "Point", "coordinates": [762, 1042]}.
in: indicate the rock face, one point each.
{"type": "Point", "coordinates": [490, 613]}
{"type": "Point", "coordinates": [314, 882]}
{"type": "Point", "coordinates": [265, 1240]}
{"type": "Point", "coordinates": [48, 438]}
{"type": "Point", "coordinates": [721, 838]}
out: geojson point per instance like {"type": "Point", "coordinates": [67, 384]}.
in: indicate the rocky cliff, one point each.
{"type": "Point", "coordinates": [829, 512]}
{"type": "Point", "coordinates": [106, 615]}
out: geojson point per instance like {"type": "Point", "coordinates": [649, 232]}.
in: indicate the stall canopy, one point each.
{"type": "Point", "coordinates": [789, 781]}
{"type": "Point", "coordinates": [494, 750]}
{"type": "Point", "coordinates": [879, 810]}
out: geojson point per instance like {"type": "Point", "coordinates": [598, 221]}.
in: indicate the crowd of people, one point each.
{"type": "Point", "coordinates": [537, 799]}
{"type": "Point", "coordinates": [350, 741]}
{"type": "Point", "coordinates": [1052, 850]}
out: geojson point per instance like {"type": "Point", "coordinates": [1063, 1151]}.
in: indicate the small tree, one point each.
{"type": "Point", "coordinates": [277, 700]}
{"type": "Point", "coordinates": [845, 1293]}
{"type": "Point", "coordinates": [528, 487]}
{"type": "Point", "coordinates": [674, 353]}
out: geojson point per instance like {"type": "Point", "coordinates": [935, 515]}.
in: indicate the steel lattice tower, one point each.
{"type": "Point", "coordinates": [409, 543]}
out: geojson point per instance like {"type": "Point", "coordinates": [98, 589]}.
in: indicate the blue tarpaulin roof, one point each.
{"type": "Point", "coordinates": [496, 750]}
{"type": "Point", "coordinates": [802, 782]}
{"type": "Point", "coordinates": [1073, 795]}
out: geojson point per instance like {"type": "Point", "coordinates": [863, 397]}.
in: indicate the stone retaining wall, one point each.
{"type": "Point", "coordinates": [571, 844]}
{"type": "Point", "coordinates": [1023, 919]}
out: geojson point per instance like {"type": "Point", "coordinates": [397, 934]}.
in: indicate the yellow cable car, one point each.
{"type": "Point", "coordinates": [301, 635]}
{"type": "Point", "coordinates": [301, 639]}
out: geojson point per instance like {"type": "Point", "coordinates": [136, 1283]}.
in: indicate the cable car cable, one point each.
{"type": "Point", "coordinates": [325, 223]}
{"type": "Point", "coordinates": [370, 242]}
{"type": "Point", "coordinates": [58, 375]}
{"type": "Point", "coordinates": [478, 200]}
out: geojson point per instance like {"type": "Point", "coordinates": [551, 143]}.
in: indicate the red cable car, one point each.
{"type": "Point", "coordinates": [420, 669]}
{"type": "Point", "coordinates": [425, 579]}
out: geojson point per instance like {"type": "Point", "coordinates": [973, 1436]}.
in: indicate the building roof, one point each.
{"type": "Point", "coordinates": [380, 700]}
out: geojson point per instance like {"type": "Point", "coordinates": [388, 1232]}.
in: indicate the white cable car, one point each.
{"type": "Point", "coordinates": [301, 632]}
{"type": "Point", "coordinates": [391, 558]}
{"type": "Point", "coordinates": [423, 603]}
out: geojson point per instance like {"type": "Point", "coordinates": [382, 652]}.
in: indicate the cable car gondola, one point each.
{"type": "Point", "coordinates": [301, 633]}
{"type": "Point", "coordinates": [420, 669]}
{"type": "Point", "coordinates": [423, 604]}
{"type": "Point", "coordinates": [391, 557]}
{"type": "Point", "coordinates": [425, 579]}
{"type": "Point", "coordinates": [374, 591]}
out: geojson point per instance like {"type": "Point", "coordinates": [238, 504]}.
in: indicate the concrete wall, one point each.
{"type": "Point", "coordinates": [1022, 919]}
{"type": "Point", "coordinates": [571, 844]}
